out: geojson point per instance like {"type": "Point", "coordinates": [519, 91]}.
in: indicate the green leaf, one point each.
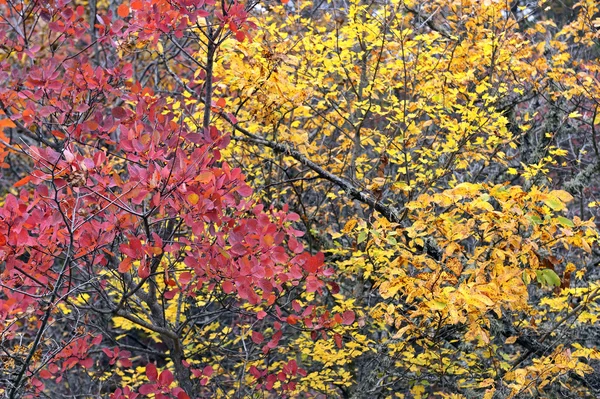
{"type": "Point", "coordinates": [554, 203]}
{"type": "Point", "coordinates": [536, 219]}
{"type": "Point", "coordinates": [361, 237]}
{"type": "Point", "coordinates": [548, 277]}
{"type": "Point", "coordinates": [437, 305]}
{"type": "Point", "coordinates": [552, 277]}
{"type": "Point", "coordinates": [565, 222]}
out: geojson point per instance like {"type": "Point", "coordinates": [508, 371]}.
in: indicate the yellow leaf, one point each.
{"type": "Point", "coordinates": [562, 195]}
{"type": "Point", "coordinates": [479, 298]}
{"type": "Point", "coordinates": [193, 198]}
{"type": "Point", "coordinates": [486, 383]}
{"type": "Point", "coordinates": [350, 224]}
{"type": "Point", "coordinates": [489, 393]}
{"type": "Point", "coordinates": [437, 305]}
{"type": "Point", "coordinates": [511, 340]}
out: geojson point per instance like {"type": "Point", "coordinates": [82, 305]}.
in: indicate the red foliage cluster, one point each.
{"type": "Point", "coordinates": [120, 187]}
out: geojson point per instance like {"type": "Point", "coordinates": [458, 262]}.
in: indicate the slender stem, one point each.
{"type": "Point", "coordinates": [210, 58]}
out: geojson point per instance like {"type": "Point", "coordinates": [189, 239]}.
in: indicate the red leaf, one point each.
{"type": "Point", "coordinates": [255, 372]}
{"type": "Point", "coordinates": [171, 294]}
{"type": "Point", "coordinates": [290, 368]}
{"type": "Point", "coordinates": [45, 374]}
{"type": "Point", "coordinates": [147, 389]}
{"type": "Point", "coordinates": [87, 363]}
{"type": "Point", "coordinates": [334, 288]}
{"type": "Point", "coordinates": [166, 378]}
{"type": "Point", "coordinates": [296, 306]}
{"type": "Point", "coordinates": [275, 339]}
{"type": "Point", "coordinates": [244, 190]}
{"type": "Point", "coordinates": [328, 272]}
{"type": "Point", "coordinates": [144, 271]}
{"type": "Point", "coordinates": [207, 371]}
{"type": "Point", "coordinates": [227, 287]}
{"type": "Point", "coordinates": [338, 340]}
{"type": "Point", "coordinates": [119, 112]}
{"type": "Point", "coordinates": [37, 383]}
{"type": "Point", "coordinates": [295, 246]}
{"type": "Point", "coordinates": [257, 337]}
{"type": "Point", "coordinates": [97, 339]}
{"type": "Point", "coordinates": [151, 372]}
{"type": "Point", "coordinates": [271, 379]}
{"type": "Point", "coordinates": [348, 317]}
{"type": "Point", "coordinates": [185, 278]}
{"type": "Point", "coordinates": [312, 284]}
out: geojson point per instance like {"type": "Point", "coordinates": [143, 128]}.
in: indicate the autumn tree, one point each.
{"type": "Point", "coordinates": [330, 199]}
{"type": "Point", "coordinates": [443, 154]}
{"type": "Point", "coordinates": [135, 260]}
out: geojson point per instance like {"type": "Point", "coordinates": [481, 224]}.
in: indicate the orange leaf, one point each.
{"type": "Point", "coordinates": [137, 4]}
{"type": "Point", "coordinates": [125, 265]}
{"type": "Point", "coordinates": [269, 240]}
{"type": "Point", "coordinates": [91, 124]}
{"type": "Point", "coordinates": [23, 181]}
{"type": "Point", "coordinates": [6, 123]}
{"type": "Point", "coordinates": [221, 102]}
{"type": "Point", "coordinates": [58, 134]}
{"type": "Point", "coordinates": [123, 11]}
{"type": "Point", "coordinates": [204, 177]}
{"type": "Point", "coordinates": [156, 250]}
